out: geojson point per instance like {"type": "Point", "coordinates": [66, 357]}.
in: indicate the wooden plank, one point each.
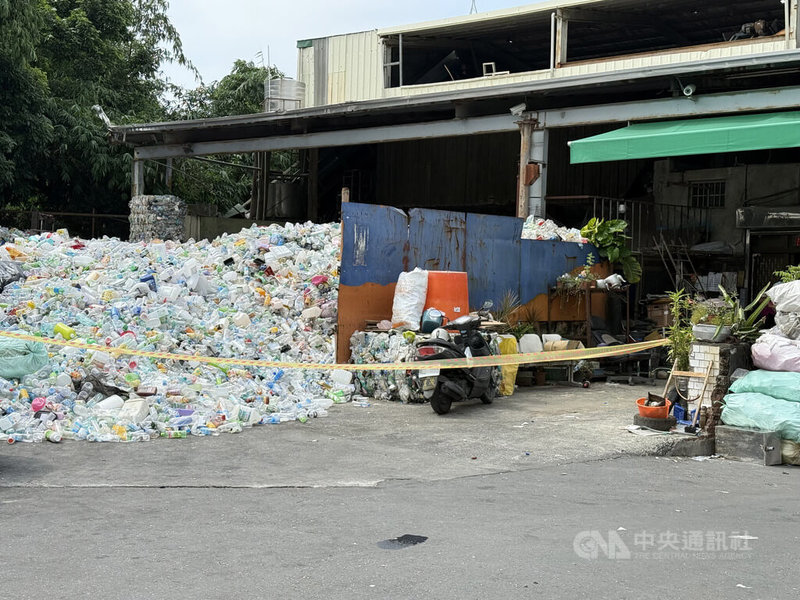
{"type": "Point", "coordinates": [689, 374]}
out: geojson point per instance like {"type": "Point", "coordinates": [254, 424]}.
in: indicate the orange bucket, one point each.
{"type": "Point", "coordinates": [653, 412]}
{"type": "Point", "coordinates": [448, 292]}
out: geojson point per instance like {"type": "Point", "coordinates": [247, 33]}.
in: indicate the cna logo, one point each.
{"type": "Point", "coordinates": [592, 545]}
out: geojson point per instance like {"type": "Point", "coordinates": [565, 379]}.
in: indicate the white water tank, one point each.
{"type": "Point", "coordinates": [283, 94]}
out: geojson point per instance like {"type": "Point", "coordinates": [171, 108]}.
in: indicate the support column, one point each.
{"type": "Point", "coordinates": [169, 174]}
{"type": "Point", "coordinates": [532, 179]}
{"type": "Point", "coordinates": [137, 178]}
{"type": "Point", "coordinates": [562, 28]}
{"type": "Point", "coordinates": [537, 192]}
{"type": "Point", "coordinates": [313, 184]}
{"type": "Point", "coordinates": [263, 184]}
{"type": "Point", "coordinates": [525, 131]}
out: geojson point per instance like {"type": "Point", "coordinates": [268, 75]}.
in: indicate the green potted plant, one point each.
{"type": "Point", "coordinates": [679, 334]}
{"type": "Point", "coordinates": [608, 236]}
{"type": "Point", "coordinates": [746, 321]}
{"type": "Point", "coordinates": [711, 320]}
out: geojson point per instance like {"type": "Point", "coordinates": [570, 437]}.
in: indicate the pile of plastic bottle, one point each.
{"type": "Point", "coordinates": [267, 293]}
{"type": "Point", "coordinates": [536, 228]}
{"type": "Point", "coordinates": [384, 347]}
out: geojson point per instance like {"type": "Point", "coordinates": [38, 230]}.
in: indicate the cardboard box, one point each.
{"type": "Point", "coordinates": [658, 312]}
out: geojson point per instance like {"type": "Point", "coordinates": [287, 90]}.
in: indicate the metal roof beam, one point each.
{"type": "Point", "coordinates": [327, 139]}
{"type": "Point", "coordinates": [698, 105]}
{"type": "Point", "coordinates": [673, 108]}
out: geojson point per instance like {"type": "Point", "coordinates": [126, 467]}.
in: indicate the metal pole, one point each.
{"type": "Point", "coordinates": [400, 57]}
{"type": "Point", "coordinates": [552, 41]}
{"type": "Point", "coordinates": [169, 174]}
{"type": "Point", "coordinates": [137, 178]}
{"type": "Point", "coordinates": [526, 131]}
{"type": "Point", "coordinates": [786, 27]}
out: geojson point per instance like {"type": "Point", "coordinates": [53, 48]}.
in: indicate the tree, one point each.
{"type": "Point", "coordinates": [238, 93]}
{"type": "Point", "coordinates": [25, 131]}
{"type": "Point", "coordinates": [58, 60]}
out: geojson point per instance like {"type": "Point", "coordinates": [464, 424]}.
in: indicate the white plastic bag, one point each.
{"type": "Point", "coordinates": [776, 353]}
{"type": "Point", "coordinates": [789, 324]}
{"type": "Point", "coordinates": [409, 299]}
{"type": "Point", "coordinates": [786, 296]}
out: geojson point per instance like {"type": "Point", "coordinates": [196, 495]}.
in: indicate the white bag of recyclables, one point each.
{"type": "Point", "coordinates": [267, 293]}
{"type": "Point", "coordinates": [789, 324]}
{"type": "Point", "coordinates": [775, 352]}
{"type": "Point", "coordinates": [786, 296]}
{"type": "Point", "coordinates": [409, 299]}
{"type": "Point", "coordinates": [536, 228]}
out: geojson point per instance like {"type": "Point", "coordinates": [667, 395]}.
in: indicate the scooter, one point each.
{"type": "Point", "coordinates": [443, 387]}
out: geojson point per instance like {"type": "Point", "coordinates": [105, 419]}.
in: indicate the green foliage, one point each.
{"type": "Point", "coordinates": [608, 236]}
{"type": "Point", "coordinates": [745, 322]}
{"type": "Point", "coordinates": [59, 58]}
{"type": "Point", "coordinates": [680, 331]}
{"type": "Point", "coordinates": [711, 312]}
{"type": "Point", "coordinates": [519, 320]}
{"type": "Point", "coordinates": [792, 273]}
{"type": "Point", "coordinates": [238, 93]}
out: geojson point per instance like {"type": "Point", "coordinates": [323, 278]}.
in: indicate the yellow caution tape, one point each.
{"type": "Point", "coordinates": [452, 363]}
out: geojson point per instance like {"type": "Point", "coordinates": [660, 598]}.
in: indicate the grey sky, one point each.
{"type": "Point", "coordinates": [217, 32]}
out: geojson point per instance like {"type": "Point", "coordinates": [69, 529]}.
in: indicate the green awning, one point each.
{"type": "Point", "coordinates": [695, 136]}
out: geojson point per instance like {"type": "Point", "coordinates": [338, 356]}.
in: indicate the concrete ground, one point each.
{"type": "Point", "coordinates": [516, 499]}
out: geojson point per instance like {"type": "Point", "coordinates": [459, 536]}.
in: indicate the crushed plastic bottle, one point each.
{"type": "Point", "coordinates": [536, 228]}
{"type": "Point", "coordinates": [266, 293]}
{"type": "Point", "coordinates": [383, 347]}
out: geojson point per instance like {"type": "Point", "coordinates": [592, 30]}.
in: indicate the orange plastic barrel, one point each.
{"type": "Point", "coordinates": [448, 292]}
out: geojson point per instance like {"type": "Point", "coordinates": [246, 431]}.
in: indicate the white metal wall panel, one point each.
{"type": "Point", "coordinates": [355, 68]}
{"type": "Point", "coordinates": [675, 57]}
{"type": "Point", "coordinates": [354, 65]}
{"type": "Point", "coordinates": [305, 73]}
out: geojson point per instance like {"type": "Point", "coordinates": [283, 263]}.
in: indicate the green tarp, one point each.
{"type": "Point", "coordinates": [695, 136]}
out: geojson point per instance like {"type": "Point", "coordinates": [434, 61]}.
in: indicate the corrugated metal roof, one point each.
{"type": "Point", "coordinates": [491, 19]}
{"type": "Point", "coordinates": [276, 124]}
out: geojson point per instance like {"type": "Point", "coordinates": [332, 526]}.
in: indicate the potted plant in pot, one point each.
{"type": "Point", "coordinates": [679, 333]}
{"type": "Point", "coordinates": [711, 320]}
{"type": "Point", "coordinates": [570, 284]}
{"type": "Point", "coordinates": [608, 236]}
{"type": "Point", "coordinates": [716, 320]}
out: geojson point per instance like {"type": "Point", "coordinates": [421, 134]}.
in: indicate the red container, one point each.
{"type": "Point", "coordinates": [653, 412]}
{"type": "Point", "coordinates": [448, 292]}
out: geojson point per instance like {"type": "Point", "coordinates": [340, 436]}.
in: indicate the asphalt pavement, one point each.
{"type": "Point", "coordinates": [543, 495]}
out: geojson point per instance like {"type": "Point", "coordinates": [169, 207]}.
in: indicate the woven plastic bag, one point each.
{"type": "Point", "coordinates": [19, 358]}
{"type": "Point", "coordinates": [758, 411]}
{"type": "Point", "coordinates": [783, 385]}
{"type": "Point", "coordinates": [786, 296]}
{"type": "Point", "coordinates": [776, 353]}
{"type": "Point", "coordinates": [790, 452]}
{"type": "Point", "coordinates": [409, 299]}
{"type": "Point", "coordinates": [789, 324]}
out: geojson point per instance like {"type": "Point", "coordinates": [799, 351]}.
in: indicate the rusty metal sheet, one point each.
{"type": "Point", "coordinates": [493, 257]}
{"type": "Point", "coordinates": [437, 239]}
{"type": "Point", "coordinates": [543, 261]}
{"type": "Point", "coordinates": [374, 244]}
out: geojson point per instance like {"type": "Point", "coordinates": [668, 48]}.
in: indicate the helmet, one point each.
{"type": "Point", "coordinates": [440, 334]}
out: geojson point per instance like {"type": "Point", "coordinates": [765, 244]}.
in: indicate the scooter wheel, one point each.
{"type": "Point", "coordinates": [440, 403]}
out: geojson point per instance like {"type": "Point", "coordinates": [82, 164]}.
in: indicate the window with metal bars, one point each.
{"type": "Point", "coordinates": [707, 194]}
